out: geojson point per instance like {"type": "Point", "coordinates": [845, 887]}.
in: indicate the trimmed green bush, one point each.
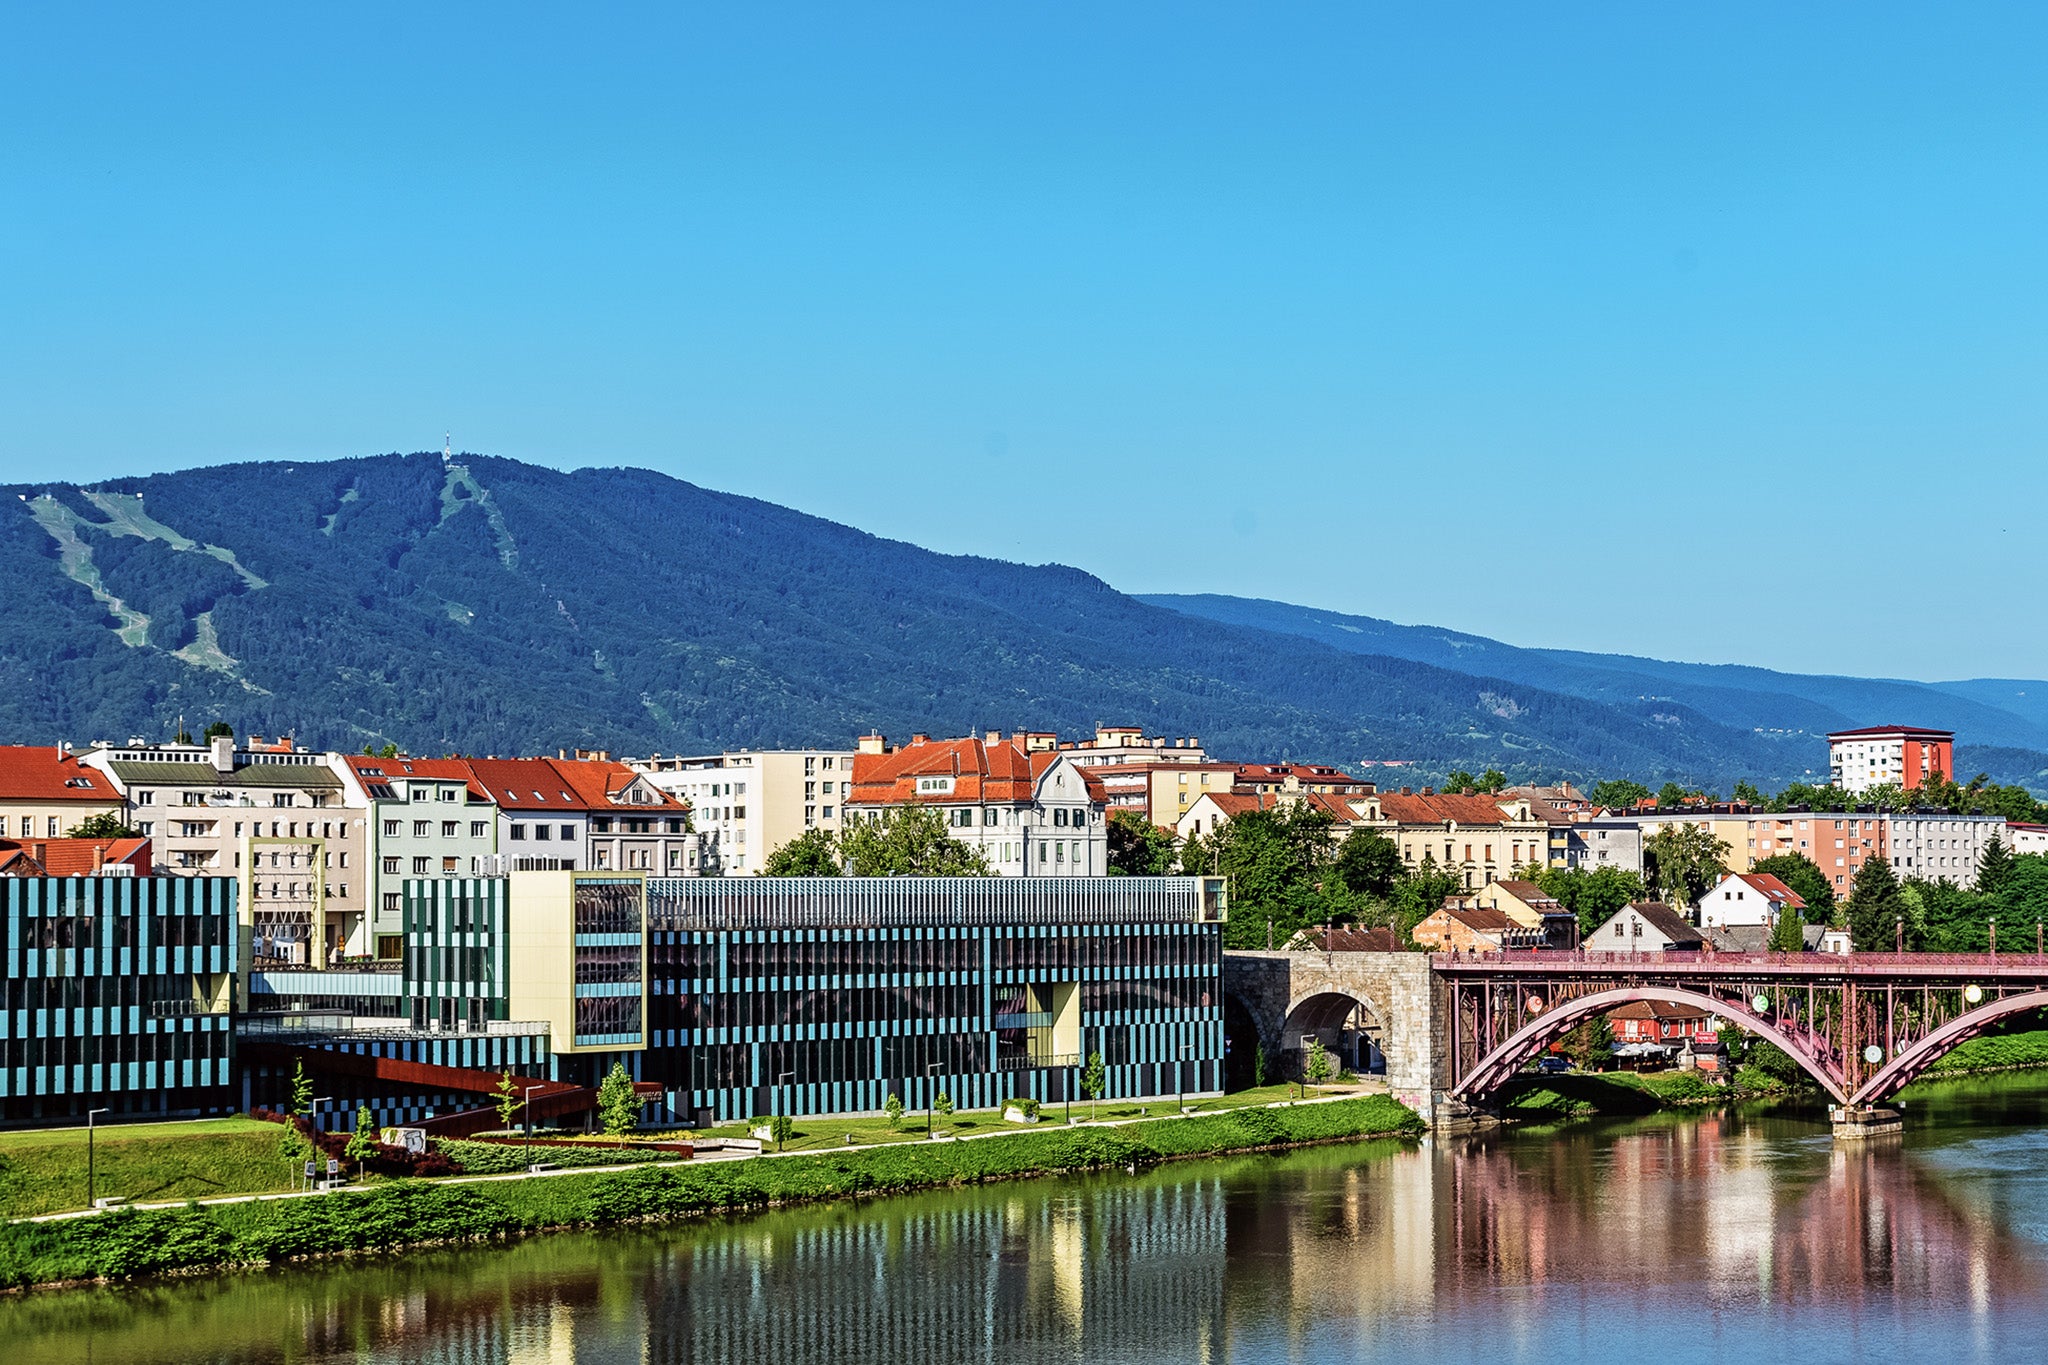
{"type": "Point", "coordinates": [409, 1213]}
{"type": "Point", "coordinates": [493, 1158]}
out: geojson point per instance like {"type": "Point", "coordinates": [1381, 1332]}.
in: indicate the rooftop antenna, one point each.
{"type": "Point", "coordinates": [447, 447]}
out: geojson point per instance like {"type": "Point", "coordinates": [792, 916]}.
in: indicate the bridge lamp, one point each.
{"type": "Point", "coordinates": [1761, 1003]}
{"type": "Point", "coordinates": [1873, 1054]}
{"type": "Point", "coordinates": [1973, 994]}
{"type": "Point", "coordinates": [1535, 1004]}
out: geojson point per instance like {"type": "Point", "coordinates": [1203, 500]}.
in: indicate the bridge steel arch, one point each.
{"type": "Point", "coordinates": [1903, 1069]}
{"type": "Point", "coordinates": [1546, 1028]}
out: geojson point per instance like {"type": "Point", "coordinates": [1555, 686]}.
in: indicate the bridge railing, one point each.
{"type": "Point", "coordinates": [1540, 958]}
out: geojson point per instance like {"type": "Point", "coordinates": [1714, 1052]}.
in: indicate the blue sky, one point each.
{"type": "Point", "coordinates": [1707, 332]}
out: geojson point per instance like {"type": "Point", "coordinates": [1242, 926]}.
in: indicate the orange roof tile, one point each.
{"type": "Point", "coordinates": [40, 773]}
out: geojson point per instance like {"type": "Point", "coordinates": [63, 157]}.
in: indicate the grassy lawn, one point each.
{"type": "Point", "coordinates": [43, 1171]}
{"type": "Point", "coordinates": [818, 1134]}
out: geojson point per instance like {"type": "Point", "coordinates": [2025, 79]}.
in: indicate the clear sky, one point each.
{"type": "Point", "coordinates": [1710, 332]}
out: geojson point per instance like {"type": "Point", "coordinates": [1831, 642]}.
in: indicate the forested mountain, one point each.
{"type": "Point", "coordinates": [489, 606]}
{"type": "Point", "coordinates": [2001, 725]}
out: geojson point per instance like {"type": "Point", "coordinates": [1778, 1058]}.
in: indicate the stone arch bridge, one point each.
{"type": "Point", "coordinates": [1453, 1028]}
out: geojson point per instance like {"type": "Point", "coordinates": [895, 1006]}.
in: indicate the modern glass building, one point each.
{"type": "Point", "coordinates": [118, 993]}
{"type": "Point", "coordinates": [829, 994]}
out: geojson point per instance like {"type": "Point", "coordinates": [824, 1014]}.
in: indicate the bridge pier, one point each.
{"type": "Point", "coordinates": [1854, 1122]}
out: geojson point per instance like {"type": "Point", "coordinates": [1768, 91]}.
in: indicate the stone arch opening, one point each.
{"type": "Point", "coordinates": [1241, 1044]}
{"type": "Point", "coordinates": [1902, 1070]}
{"type": "Point", "coordinates": [1536, 1036]}
{"type": "Point", "coordinates": [1348, 1026]}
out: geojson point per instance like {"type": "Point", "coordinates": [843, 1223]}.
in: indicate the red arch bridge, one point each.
{"type": "Point", "coordinates": [1864, 1025]}
{"type": "Point", "coordinates": [1451, 1029]}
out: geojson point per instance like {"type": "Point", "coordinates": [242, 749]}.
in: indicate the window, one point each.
{"type": "Point", "coordinates": [447, 793]}
{"type": "Point", "coordinates": [448, 828]}
{"type": "Point", "coordinates": [143, 799]}
{"type": "Point", "coordinates": [280, 798]}
{"type": "Point", "coordinates": [421, 793]}
{"type": "Point", "coordinates": [675, 827]}
{"type": "Point", "coordinates": [391, 867]}
{"type": "Point", "coordinates": [419, 867]}
{"type": "Point", "coordinates": [391, 827]}
{"type": "Point", "coordinates": [344, 858]}
{"type": "Point", "coordinates": [518, 831]}
{"type": "Point", "coordinates": [568, 831]}
{"type": "Point", "coordinates": [476, 829]}
{"type": "Point", "coordinates": [603, 824]}
{"type": "Point", "coordinates": [542, 831]}
{"type": "Point", "coordinates": [422, 828]}
{"type": "Point", "coordinates": [827, 812]}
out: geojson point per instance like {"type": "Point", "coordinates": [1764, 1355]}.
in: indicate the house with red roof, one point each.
{"type": "Point", "coordinates": [585, 812]}
{"type": "Point", "coordinates": [1480, 837]}
{"type": "Point", "coordinates": [1030, 811]}
{"type": "Point", "coordinates": [1748, 899]}
{"type": "Point", "coordinates": [76, 858]}
{"type": "Point", "coordinates": [45, 790]}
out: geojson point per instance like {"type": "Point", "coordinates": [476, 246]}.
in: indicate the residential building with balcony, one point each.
{"type": "Point", "coordinates": [1116, 745]}
{"type": "Point", "coordinates": [1890, 755]}
{"type": "Point", "coordinates": [747, 803]}
{"type": "Point", "coordinates": [585, 812]}
{"type": "Point", "coordinates": [1163, 792]}
{"type": "Point", "coordinates": [277, 818]}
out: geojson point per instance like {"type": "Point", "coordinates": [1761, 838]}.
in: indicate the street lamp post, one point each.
{"type": "Point", "coordinates": [91, 1164]}
{"type": "Point", "coordinates": [1993, 924]}
{"type": "Point", "coordinates": [1902, 933]}
{"type": "Point", "coordinates": [526, 1111]}
{"type": "Point", "coordinates": [930, 1097]}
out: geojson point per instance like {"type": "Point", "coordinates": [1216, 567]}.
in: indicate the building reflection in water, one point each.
{"type": "Point", "coordinates": [1313, 1255]}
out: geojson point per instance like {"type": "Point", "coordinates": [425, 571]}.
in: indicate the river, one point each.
{"type": "Point", "coordinates": [1746, 1236]}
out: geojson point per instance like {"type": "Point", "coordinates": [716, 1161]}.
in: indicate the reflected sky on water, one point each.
{"type": "Point", "coordinates": [1749, 1236]}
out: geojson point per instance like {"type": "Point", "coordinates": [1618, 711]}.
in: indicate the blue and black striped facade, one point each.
{"type": "Point", "coordinates": [117, 995]}
{"type": "Point", "coordinates": [828, 995]}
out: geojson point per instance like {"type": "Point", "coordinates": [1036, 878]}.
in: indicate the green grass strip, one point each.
{"type": "Point", "coordinates": [136, 1242]}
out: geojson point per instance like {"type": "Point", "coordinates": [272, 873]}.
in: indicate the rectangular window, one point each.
{"type": "Point", "coordinates": [518, 831]}
{"type": "Point", "coordinates": [476, 829]}
{"type": "Point", "coordinates": [391, 827]}
{"type": "Point", "coordinates": [391, 867]}
{"type": "Point", "coordinates": [280, 798]}
{"type": "Point", "coordinates": [541, 831]}
{"type": "Point", "coordinates": [422, 828]}
{"type": "Point", "coordinates": [419, 867]}
{"type": "Point", "coordinates": [568, 831]}
{"type": "Point", "coordinates": [448, 828]}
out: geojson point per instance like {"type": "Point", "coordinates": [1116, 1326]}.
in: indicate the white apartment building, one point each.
{"type": "Point", "coordinates": [1030, 813]}
{"type": "Point", "coordinates": [747, 803]}
{"type": "Point", "coordinates": [1889, 755]}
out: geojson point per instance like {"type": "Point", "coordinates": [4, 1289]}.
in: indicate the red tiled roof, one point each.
{"type": "Point", "coordinates": [389, 770]}
{"type": "Point", "coordinates": [551, 784]}
{"type": "Point", "coordinates": [72, 857]}
{"type": "Point", "coordinates": [39, 773]}
{"type": "Point", "coordinates": [1355, 940]}
{"type": "Point", "coordinates": [1433, 808]}
{"type": "Point", "coordinates": [1480, 918]}
{"type": "Point", "coordinates": [1774, 890]}
{"type": "Point", "coordinates": [981, 772]}
{"type": "Point", "coordinates": [1529, 894]}
{"type": "Point", "coordinates": [1305, 773]}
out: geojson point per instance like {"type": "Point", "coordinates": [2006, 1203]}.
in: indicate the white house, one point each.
{"type": "Point", "coordinates": [1645, 927]}
{"type": "Point", "coordinates": [1745, 899]}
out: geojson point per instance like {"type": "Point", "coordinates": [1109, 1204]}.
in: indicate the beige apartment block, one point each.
{"type": "Point", "coordinates": [746, 803]}
{"type": "Point", "coordinates": [1162, 792]}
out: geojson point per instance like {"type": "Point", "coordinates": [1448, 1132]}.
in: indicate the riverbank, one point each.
{"type": "Point", "coordinates": [131, 1243]}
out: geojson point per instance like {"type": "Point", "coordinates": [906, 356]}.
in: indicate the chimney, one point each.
{"type": "Point", "coordinates": [994, 737]}
{"type": "Point", "coordinates": [99, 858]}
{"type": "Point", "coordinates": [873, 743]}
{"type": "Point", "coordinates": [223, 755]}
{"type": "Point", "coordinates": [1406, 791]}
{"type": "Point", "coordinates": [41, 853]}
{"type": "Point", "coordinates": [920, 739]}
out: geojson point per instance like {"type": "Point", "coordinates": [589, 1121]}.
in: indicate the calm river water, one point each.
{"type": "Point", "coordinates": [1743, 1237]}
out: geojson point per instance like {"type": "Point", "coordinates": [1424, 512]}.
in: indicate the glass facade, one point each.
{"type": "Point", "coordinates": [117, 994]}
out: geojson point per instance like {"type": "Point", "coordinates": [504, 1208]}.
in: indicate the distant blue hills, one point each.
{"type": "Point", "coordinates": [483, 605]}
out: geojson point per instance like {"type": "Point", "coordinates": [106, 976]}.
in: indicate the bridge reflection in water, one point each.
{"type": "Point", "coordinates": [1468, 1246]}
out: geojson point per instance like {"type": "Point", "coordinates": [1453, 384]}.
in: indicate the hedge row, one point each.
{"type": "Point", "coordinates": [1993, 1053]}
{"type": "Point", "coordinates": [133, 1242]}
{"type": "Point", "coordinates": [495, 1158]}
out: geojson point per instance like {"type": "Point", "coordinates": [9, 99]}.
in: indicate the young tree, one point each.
{"type": "Point", "coordinates": [908, 841]}
{"type": "Point", "coordinates": [1094, 1081]}
{"type": "Point", "coordinates": [808, 855]}
{"type": "Point", "coordinates": [892, 1110]}
{"type": "Point", "coordinates": [1316, 1065]}
{"type": "Point", "coordinates": [1683, 862]}
{"type": "Point", "coordinates": [505, 1099]}
{"type": "Point", "coordinates": [104, 825]}
{"type": "Point", "coordinates": [780, 1127]}
{"type": "Point", "coordinates": [362, 1143]}
{"type": "Point", "coordinates": [1745, 793]}
{"type": "Point", "coordinates": [618, 1108]}
{"type": "Point", "coordinates": [1421, 894]}
{"type": "Point", "coordinates": [1137, 847]}
{"type": "Point", "coordinates": [942, 1105]}
{"type": "Point", "coordinates": [1875, 907]}
{"type": "Point", "coordinates": [1671, 795]}
{"type": "Point", "coordinates": [1788, 933]}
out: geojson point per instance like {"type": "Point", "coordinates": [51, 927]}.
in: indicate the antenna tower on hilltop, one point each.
{"type": "Point", "coordinates": [447, 447]}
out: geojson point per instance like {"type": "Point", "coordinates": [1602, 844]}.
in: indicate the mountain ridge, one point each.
{"type": "Point", "coordinates": [486, 605]}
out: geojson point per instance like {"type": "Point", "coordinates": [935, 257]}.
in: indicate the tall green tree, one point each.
{"type": "Point", "coordinates": [808, 855]}
{"type": "Point", "coordinates": [1095, 1082]}
{"type": "Point", "coordinates": [1368, 863]}
{"type": "Point", "coordinates": [908, 841]}
{"type": "Point", "coordinates": [1617, 793]}
{"type": "Point", "coordinates": [1683, 862]}
{"type": "Point", "coordinates": [1875, 907]}
{"type": "Point", "coordinates": [1458, 780]}
{"type": "Point", "coordinates": [1137, 847]}
{"type": "Point", "coordinates": [220, 729]}
{"type": "Point", "coordinates": [1274, 859]}
{"type": "Point", "coordinates": [1800, 873]}
{"type": "Point", "coordinates": [1788, 933]}
{"type": "Point", "coordinates": [1594, 895]}
{"type": "Point", "coordinates": [1421, 894]}
{"type": "Point", "coordinates": [1994, 869]}
{"type": "Point", "coordinates": [1746, 793]}
{"type": "Point", "coordinates": [1492, 780]}
{"type": "Point", "coordinates": [1671, 795]}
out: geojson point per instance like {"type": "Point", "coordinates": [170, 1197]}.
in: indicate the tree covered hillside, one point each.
{"type": "Point", "coordinates": [492, 606]}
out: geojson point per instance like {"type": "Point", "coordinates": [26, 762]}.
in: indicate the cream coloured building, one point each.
{"type": "Point", "coordinates": [45, 790]}
{"type": "Point", "coordinates": [746, 803]}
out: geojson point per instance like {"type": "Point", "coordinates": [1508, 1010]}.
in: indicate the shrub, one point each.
{"type": "Point", "coordinates": [1026, 1106]}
